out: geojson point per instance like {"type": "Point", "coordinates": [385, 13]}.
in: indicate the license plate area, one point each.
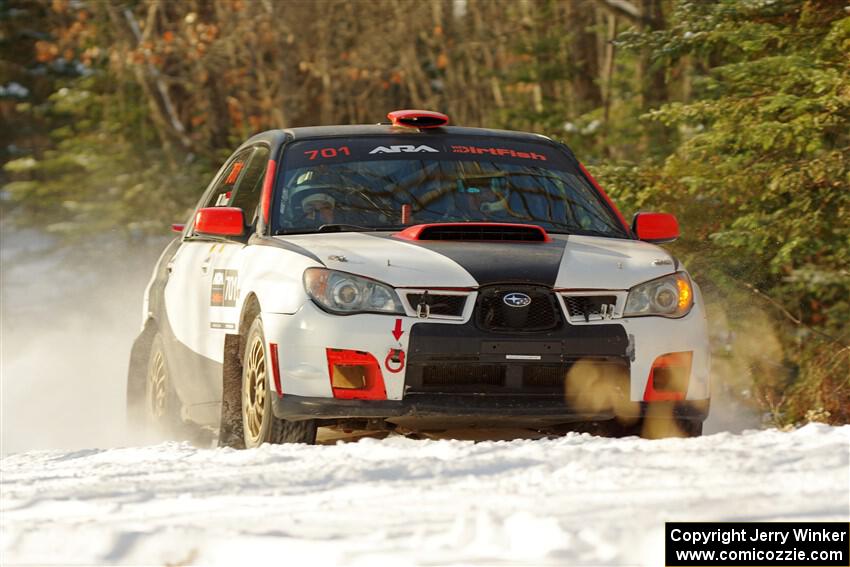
{"type": "Point", "coordinates": [522, 351]}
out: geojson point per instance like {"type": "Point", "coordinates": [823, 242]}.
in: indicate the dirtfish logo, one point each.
{"type": "Point", "coordinates": [407, 149]}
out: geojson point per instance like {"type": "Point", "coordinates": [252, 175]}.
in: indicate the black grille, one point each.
{"type": "Point", "coordinates": [542, 313]}
{"type": "Point", "coordinates": [449, 305]}
{"type": "Point", "coordinates": [455, 376]}
{"type": "Point", "coordinates": [505, 379]}
{"type": "Point", "coordinates": [588, 305]}
{"type": "Point", "coordinates": [484, 232]}
{"type": "Point", "coordinates": [544, 376]}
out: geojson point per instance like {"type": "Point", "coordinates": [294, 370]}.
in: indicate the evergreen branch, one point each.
{"type": "Point", "coordinates": [788, 315]}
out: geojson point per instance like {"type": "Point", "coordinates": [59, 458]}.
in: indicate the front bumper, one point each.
{"type": "Point", "coordinates": [501, 410]}
{"type": "Point", "coordinates": [436, 350]}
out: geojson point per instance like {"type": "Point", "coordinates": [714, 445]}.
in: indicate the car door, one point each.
{"type": "Point", "coordinates": [225, 261]}
{"type": "Point", "coordinates": [195, 292]}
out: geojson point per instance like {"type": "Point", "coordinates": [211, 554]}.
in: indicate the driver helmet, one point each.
{"type": "Point", "coordinates": [313, 194]}
{"type": "Point", "coordinates": [317, 202]}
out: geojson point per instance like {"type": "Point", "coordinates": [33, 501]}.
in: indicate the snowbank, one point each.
{"type": "Point", "coordinates": [576, 500]}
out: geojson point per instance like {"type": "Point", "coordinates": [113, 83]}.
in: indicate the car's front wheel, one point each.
{"type": "Point", "coordinates": [259, 425]}
{"type": "Point", "coordinates": [671, 419]}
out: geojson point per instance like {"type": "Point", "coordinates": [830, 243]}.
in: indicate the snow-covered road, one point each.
{"type": "Point", "coordinates": [577, 500]}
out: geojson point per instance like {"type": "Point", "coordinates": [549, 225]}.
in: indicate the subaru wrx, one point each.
{"type": "Point", "coordinates": [415, 276]}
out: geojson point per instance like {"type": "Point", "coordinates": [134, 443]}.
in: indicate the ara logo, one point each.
{"type": "Point", "coordinates": [406, 149]}
{"type": "Point", "coordinates": [225, 288]}
{"type": "Point", "coordinates": [517, 299]}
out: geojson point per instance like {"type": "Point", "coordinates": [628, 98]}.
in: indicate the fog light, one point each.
{"type": "Point", "coordinates": [355, 375]}
{"type": "Point", "coordinates": [348, 376]}
{"type": "Point", "coordinates": [669, 377]}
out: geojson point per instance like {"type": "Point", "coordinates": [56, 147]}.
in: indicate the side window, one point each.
{"type": "Point", "coordinates": [222, 193]}
{"type": "Point", "coordinates": [246, 194]}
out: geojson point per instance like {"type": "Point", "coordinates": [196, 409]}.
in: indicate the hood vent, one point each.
{"type": "Point", "coordinates": [475, 231]}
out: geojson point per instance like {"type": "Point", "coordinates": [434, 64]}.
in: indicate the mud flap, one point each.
{"type": "Point", "coordinates": [230, 432]}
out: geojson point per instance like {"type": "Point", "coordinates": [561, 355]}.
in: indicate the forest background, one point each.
{"type": "Point", "coordinates": [733, 115]}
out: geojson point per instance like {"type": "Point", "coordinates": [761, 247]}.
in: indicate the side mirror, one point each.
{"type": "Point", "coordinates": [655, 227]}
{"type": "Point", "coordinates": [220, 221]}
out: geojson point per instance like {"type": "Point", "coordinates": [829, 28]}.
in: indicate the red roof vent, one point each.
{"type": "Point", "coordinates": [418, 118]}
{"type": "Point", "coordinates": [475, 231]}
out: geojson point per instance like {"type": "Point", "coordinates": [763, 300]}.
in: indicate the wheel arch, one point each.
{"type": "Point", "coordinates": [250, 309]}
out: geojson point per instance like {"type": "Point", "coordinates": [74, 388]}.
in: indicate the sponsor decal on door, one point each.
{"type": "Point", "coordinates": [225, 288]}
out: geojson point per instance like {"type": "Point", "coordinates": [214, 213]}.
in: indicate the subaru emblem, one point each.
{"type": "Point", "coordinates": [517, 299]}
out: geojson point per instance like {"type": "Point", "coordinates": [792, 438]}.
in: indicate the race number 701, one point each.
{"type": "Point", "coordinates": [328, 152]}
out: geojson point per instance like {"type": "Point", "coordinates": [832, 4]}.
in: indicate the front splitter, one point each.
{"type": "Point", "coordinates": [510, 410]}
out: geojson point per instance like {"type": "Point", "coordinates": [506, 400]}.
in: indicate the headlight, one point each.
{"type": "Point", "coordinates": [670, 296]}
{"type": "Point", "coordinates": [344, 293]}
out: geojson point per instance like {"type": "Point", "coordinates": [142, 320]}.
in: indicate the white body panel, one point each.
{"type": "Point", "coordinates": [303, 332]}
{"type": "Point", "coordinates": [275, 276]}
{"type": "Point", "coordinates": [187, 297]}
{"type": "Point", "coordinates": [610, 263]}
{"type": "Point", "coordinates": [390, 260]}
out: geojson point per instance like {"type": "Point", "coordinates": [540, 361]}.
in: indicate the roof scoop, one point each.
{"type": "Point", "coordinates": [475, 232]}
{"type": "Point", "coordinates": [418, 118]}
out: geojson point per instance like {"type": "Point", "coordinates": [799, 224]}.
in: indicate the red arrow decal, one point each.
{"type": "Point", "coordinates": [397, 332]}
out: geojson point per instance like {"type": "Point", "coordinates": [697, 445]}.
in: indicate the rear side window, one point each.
{"type": "Point", "coordinates": [224, 189]}
{"type": "Point", "coordinates": [241, 183]}
{"type": "Point", "coordinates": [246, 194]}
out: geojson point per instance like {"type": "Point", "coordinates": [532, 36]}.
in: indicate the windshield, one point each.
{"type": "Point", "coordinates": [387, 183]}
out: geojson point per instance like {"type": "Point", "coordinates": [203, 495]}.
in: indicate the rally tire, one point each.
{"type": "Point", "coordinates": [159, 407]}
{"type": "Point", "coordinates": [230, 432]}
{"type": "Point", "coordinates": [648, 427]}
{"type": "Point", "coordinates": [691, 428]}
{"type": "Point", "coordinates": [136, 385]}
{"type": "Point", "coordinates": [294, 431]}
{"type": "Point", "coordinates": [259, 424]}
{"type": "Point", "coordinates": [670, 419]}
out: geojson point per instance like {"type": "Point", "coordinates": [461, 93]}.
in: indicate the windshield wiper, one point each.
{"type": "Point", "coordinates": [345, 228]}
{"type": "Point", "coordinates": [587, 232]}
{"type": "Point", "coordinates": [335, 228]}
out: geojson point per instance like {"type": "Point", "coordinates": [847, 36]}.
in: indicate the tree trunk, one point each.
{"type": "Point", "coordinates": [653, 82]}
{"type": "Point", "coordinates": [652, 77]}
{"type": "Point", "coordinates": [587, 94]}
{"type": "Point", "coordinates": [168, 127]}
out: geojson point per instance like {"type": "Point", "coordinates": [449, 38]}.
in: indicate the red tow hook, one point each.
{"type": "Point", "coordinates": [394, 362]}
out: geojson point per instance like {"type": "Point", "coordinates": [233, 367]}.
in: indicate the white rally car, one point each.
{"type": "Point", "coordinates": [417, 277]}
